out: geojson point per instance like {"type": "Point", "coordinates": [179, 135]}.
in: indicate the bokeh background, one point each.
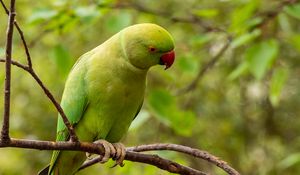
{"type": "Point", "coordinates": [244, 109]}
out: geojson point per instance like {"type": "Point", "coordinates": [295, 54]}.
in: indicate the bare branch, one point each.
{"type": "Point", "coordinates": [8, 51]}
{"type": "Point", "coordinates": [30, 70]}
{"type": "Point", "coordinates": [15, 63]}
{"type": "Point", "coordinates": [154, 160]}
{"type": "Point", "coordinates": [187, 150]}
{"type": "Point", "coordinates": [21, 35]}
{"type": "Point", "coordinates": [161, 163]}
{"type": "Point", "coordinates": [70, 128]}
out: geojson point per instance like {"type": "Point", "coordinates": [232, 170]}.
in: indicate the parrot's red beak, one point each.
{"type": "Point", "coordinates": [167, 59]}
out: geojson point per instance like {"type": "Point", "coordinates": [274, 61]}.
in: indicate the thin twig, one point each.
{"type": "Point", "coordinates": [8, 51]}
{"type": "Point", "coordinates": [30, 70]}
{"type": "Point", "coordinates": [16, 63]}
{"type": "Point", "coordinates": [70, 128]}
{"type": "Point", "coordinates": [21, 35]}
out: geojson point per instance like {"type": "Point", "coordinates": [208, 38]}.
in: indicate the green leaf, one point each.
{"type": "Point", "coordinates": [187, 63]}
{"type": "Point", "coordinates": [277, 82]}
{"type": "Point", "coordinates": [118, 21]}
{"type": "Point", "coordinates": [293, 10]}
{"type": "Point", "coordinates": [87, 13]}
{"type": "Point", "coordinates": [40, 15]}
{"type": "Point", "coordinates": [261, 56]}
{"type": "Point", "coordinates": [295, 41]}
{"type": "Point", "coordinates": [284, 23]}
{"type": "Point", "coordinates": [164, 107]}
{"type": "Point", "coordinates": [241, 15]}
{"type": "Point", "coordinates": [240, 70]}
{"type": "Point", "coordinates": [290, 161]}
{"type": "Point", "coordinates": [209, 13]}
{"type": "Point", "coordinates": [62, 59]}
{"type": "Point", "coordinates": [245, 38]}
{"type": "Point", "coordinates": [201, 39]}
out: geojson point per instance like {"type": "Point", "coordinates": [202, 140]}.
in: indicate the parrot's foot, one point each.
{"type": "Point", "coordinates": [116, 151]}
{"type": "Point", "coordinates": [120, 154]}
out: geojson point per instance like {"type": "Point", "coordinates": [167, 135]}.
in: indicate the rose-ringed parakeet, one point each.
{"type": "Point", "coordinates": [105, 89]}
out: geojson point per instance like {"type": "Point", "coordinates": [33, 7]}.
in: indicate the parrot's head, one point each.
{"type": "Point", "coordinates": [146, 45]}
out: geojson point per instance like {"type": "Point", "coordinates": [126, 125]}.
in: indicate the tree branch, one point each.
{"type": "Point", "coordinates": [21, 35]}
{"type": "Point", "coordinates": [154, 160]}
{"type": "Point", "coordinates": [13, 62]}
{"type": "Point", "coordinates": [49, 95]}
{"type": "Point", "coordinates": [30, 70]}
{"type": "Point", "coordinates": [8, 51]}
{"type": "Point", "coordinates": [151, 159]}
{"type": "Point", "coordinates": [187, 150]}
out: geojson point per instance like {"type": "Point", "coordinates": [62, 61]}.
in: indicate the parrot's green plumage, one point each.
{"type": "Point", "coordinates": [105, 89]}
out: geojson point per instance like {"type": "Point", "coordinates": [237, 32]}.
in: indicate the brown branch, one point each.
{"type": "Point", "coordinates": [8, 51]}
{"type": "Point", "coordinates": [50, 96]}
{"type": "Point", "coordinates": [15, 63]}
{"type": "Point", "coordinates": [178, 148]}
{"type": "Point", "coordinates": [151, 159]}
{"type": "Point", "coordinates": [30, 70]}
{"type": "Point", "coordinates": [21, 35]}
{"type": "Point", "coordinates": [187, 150]}
{"type": "Point", "coordinates": [154, 160]}
{"type": "Point", "coordinates": [70, 128]}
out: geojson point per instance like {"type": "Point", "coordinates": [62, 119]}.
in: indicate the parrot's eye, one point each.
{"type": "Point", "coordinates": [152, 49]}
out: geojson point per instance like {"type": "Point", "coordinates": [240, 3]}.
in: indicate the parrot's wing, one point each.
{"type": "Point", "coordinates": [139, 109]}
{"type": "Point", "coordinates": [74, 102]}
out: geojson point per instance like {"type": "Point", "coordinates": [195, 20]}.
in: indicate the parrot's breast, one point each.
{"type": "Point", "coordinates": [115, 97]}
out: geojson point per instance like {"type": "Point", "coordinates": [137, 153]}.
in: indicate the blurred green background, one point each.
{"type": "Point", "coordinates": [243, 110]}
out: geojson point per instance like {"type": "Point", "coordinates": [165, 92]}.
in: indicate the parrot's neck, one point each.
{"type": "Point", "coordinates": [121, 63]}
{"type": "Point", "coordinates": [120, 39]}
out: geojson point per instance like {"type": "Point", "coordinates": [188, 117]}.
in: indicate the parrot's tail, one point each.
{"type": "Point", "coordinates": [44, 171]}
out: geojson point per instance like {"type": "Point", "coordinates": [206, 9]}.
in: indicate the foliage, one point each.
{"type": "Point", "coordinates": [244, 109]}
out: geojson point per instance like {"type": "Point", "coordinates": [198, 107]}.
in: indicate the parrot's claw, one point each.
{"type": "Point", "coordinates": [108, 148]}
{"type": "Point", "coordinates": [116, 151]}
{"type": "Point", "coordinates": [120, 154]}
{"type": "Point", "coordinates": [89, 156]}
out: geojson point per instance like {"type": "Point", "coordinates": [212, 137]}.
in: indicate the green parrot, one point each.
{"type": "Point", "coordinates": [105, 89]}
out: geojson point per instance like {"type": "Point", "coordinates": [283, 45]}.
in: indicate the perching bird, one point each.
{"type": "Point", "coordinates": [105, 89]}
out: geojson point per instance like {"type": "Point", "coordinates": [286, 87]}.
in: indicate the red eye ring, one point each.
{"type": "Point", "coordinates": [152, 49]}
